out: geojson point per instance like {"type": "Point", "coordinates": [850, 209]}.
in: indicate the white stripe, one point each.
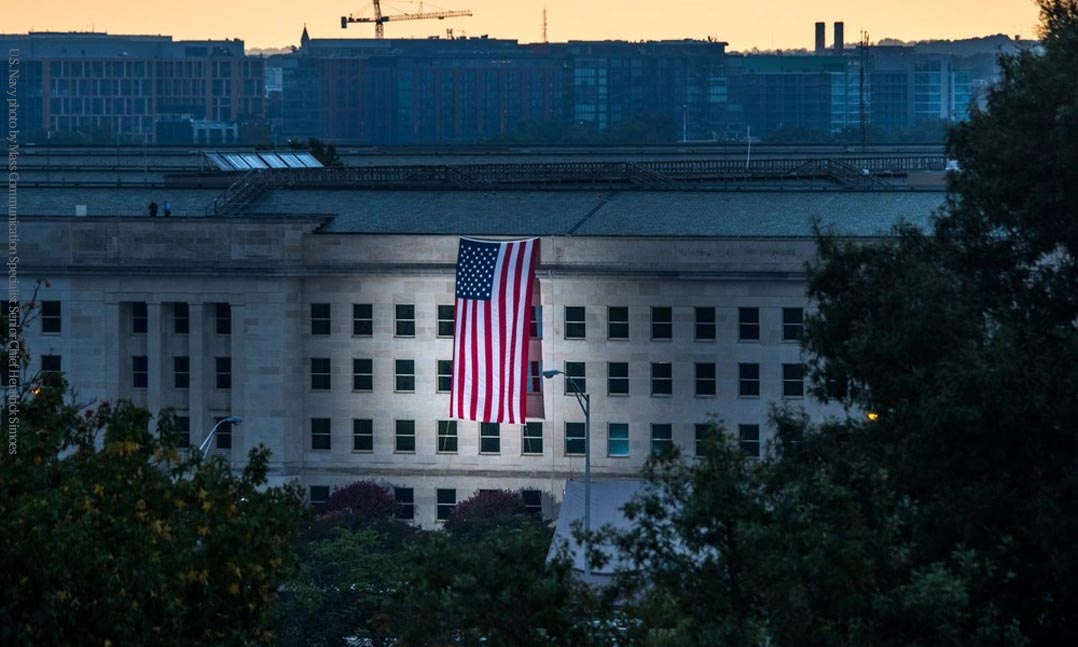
{"type": "Point", "coordinates": [483, 326]}
{"type": "Point", "coordinates": [500, 368]}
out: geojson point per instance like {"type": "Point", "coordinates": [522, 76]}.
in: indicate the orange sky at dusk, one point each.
{"type": "Point", "coordinates": [745, 24]}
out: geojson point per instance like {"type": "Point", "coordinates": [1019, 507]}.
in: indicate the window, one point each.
{"type": "Point", "coordinates": [139, 317]}
{"type": "Point", "coordinates": [320, 318]}
{"type": "Point", "coordinates": [617, 322]}
{"type": "Point", "coordinates": [321, 379]}
{"type": "Point", "coordinates": [617, 381]}
{"type": "Point", "coordinates": [748, 324]}
{"type": "Point", "coordinates": [362, 320]}
{"type": "Point", "coordinates": [793, 324]}
{"type": "Point", "coordinates": [793, 380]}
{"type": "Point", "coordinates": [362, 374]}
{"type": "Point", "coordinates": [447, 436]}
{"type": "Point", "coordinates": [575, 326]}
{"type": "Point", "coordinates": [490, 440]}
{"type": "Point", "coordinates": [532, 438]}
{"type": "Point", "coordinates": [533, 502]}
{"type": "Point", "coordinates": [617, 439]}
{"type": "Point", "coordinates": [748, 380]}
{"type": "Point", "coordinates": [362, 435]}
{"type": "Point", "coordinates": [319, 494]}
{"type": "Point", "coordinates": [50, 317]}
{"type": "Point", "coordinates": [405, 375]}
{"type": "Point", "coordinates": [50, 364]}
{"type": "Point", "coordinates": [447, 500]}
{"type": "Point", "coordinates": [405, 326]}
{"type": "Point", "coordinates": [662, 381]}
{"type": "Point", "coordinates": [140, 375]}
{"type": "Point", "coordinates": [705, 324]}
{"type": "Point", "coordinates": [320, 434]}
{"type": "Point", "coordinates": [705, 379]}
{"type": "Point", "coordinates": [705, 434]}
{"type": "Point", "coordinates": [223, 437]}
{"type": "Point", "coordinates": [183, 431]}
{"type": "Point", "coordinates": [748, 436]}
{"type": "Point", "coordinates": [405, 500]}
{"type": "Point", "coordinates": [575, 370]}
{"type": "Point", "coordinates": [181, 318]}
{"type": "Point", "coordinates": [181, 372]}
{"type": "Point", "coordinates": [536, 328]}
{"type": "Point", "coordinates": [662, 438]}
{"type": "Point", "coordinates": [574, 439]}
{"type": "Point", "coordinates": [445, 375]}
{"type": "Point", "coordinates": [445, 321]}
{"type": "Point", "coordinates": [223, 372]}
{"type": "Point", "coordinates": [405, 436]}
{"type": "Point", "coordinates": [662, 326]}
{"type": "Point", "coordinates": [535, 377]}
{"type": "Point", "coordinates": [223, 318]}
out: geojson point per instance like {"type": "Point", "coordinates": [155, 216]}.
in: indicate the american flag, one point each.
{"type": "Point", "coordinates": [490, 341]}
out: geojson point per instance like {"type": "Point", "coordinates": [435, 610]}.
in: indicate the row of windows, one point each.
{"type": "Point", "coordinates": [51, 319]}
{"type": "Point", "coordinates": [531, 437]}
{"type": "Point", "coordinates": [181, 372]}
{"type": "Point", "coordinates": [662, 322]}
{"type": "Point", "coordinates": [445, 498]}
{"type": "Point", "coordinates": [705, 380]}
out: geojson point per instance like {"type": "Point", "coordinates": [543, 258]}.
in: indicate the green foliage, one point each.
{"type": "Point", "coordinates": [364, 501]}
{"type": "Point", "coordinates": [325, 153]}
{"type": "Point", "coordinates": [114, 539]}
{"type": "Point", "coordinates": [485, 509]}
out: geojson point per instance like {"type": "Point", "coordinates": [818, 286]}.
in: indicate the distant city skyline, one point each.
{"type": "Point", "coordinates": [762, 24]}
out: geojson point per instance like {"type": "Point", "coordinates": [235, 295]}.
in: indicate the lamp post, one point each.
{"type": "Point", "coordinates": [204, 448]}
{"type": "Point", "coordinates": [584, 400]}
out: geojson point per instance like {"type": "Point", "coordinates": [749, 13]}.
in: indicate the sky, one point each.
{"type": "Point", "coordinates": [744, 24]}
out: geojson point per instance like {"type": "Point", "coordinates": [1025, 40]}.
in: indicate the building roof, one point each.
{"type": "Point", "coordinates": [608, 499]}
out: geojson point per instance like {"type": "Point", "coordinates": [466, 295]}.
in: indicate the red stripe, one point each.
{"type": "Point", "coordinates": [528, 278]}
{"type": "Point", "coordinates": [508, 341]}
{"type": "Point", "coordinates": [473, 397]}
{"type": "Point", "coordinates": [488, 361]}
{"type": "Point", "coordinates": [456, 401]}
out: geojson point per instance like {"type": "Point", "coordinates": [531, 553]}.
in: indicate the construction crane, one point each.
{"type": "Point", "coordinates": [379, 20]}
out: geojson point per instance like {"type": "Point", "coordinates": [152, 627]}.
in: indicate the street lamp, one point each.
{"type": "Point", "coordinates": [584, 400]}
{"type": "Point", "coordinates": [204, 448]}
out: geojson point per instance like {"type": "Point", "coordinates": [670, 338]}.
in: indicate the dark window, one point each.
{"type": "Point", "coordinates": [617, 326]}
{"type": "Point", "coordinates": [445, 321]}
{"type": "Point", "coordinates": [748, 380]}
{"type": "Point", "coordinates": [490, 439]}
{"type": "Point", "coordinates": [705, 378]}
{"type": "Point", "coordinates": [321, 378]}
{"type": "Point", "coordinates": [140, 375]}
{"type": "Point", "coordinates": [139, 317]}
{"type": "Point", "coordinates": [532, 438]}
{"type": "Point", "coordinates": [533, 502]}
{"type": "Point", "coordinates": [321, 439]}
{"type": "Point", "coordinates": [405, 326]}
{"type": "Point", "coordinates": [662, 326]}
{"type": "Point", "coordinates": [574, 439]}
{"type": "Point", "coordinates": [183, 431]}
{"type": "Point", "coordinates": [318, 497]}
{"type": "Point", "coordinates": [793, 324]}
{"type": "Point", "coordinates": [575, 325]}
{"type": "Point", "coordinates": [181, 318]}
{"type": "Point", "coordinates": [748, 324]}
{"type": "Point", "coordinates": [705, 324]}
{"type": "Point", "coordinates": [405, 436]}
{"type": "Point", "coordinates": [617, 439]}
{"type": "Point", "coordinates": [50, 364]}
{"type": "Point", "coordinates": [447, 436]}
{"type": "Point", "coordinates": [223, 371]}
{"type": "Point", "coordinates": [536, 328]}
{"type": "Point", "coordinates": [362, 374]}
{"type": "Point", "coordinates": [405, 499]}
{"type": "Point", "coordinates": [362, 319]}
{"type": "Point", "coordinates": [662, 381]}
{"type": "Point", "coordinates": [223, 437]}
{"type": "Point", "coordinates": [793, 380]}
{"type": "Point", "coordinates": [320, 318]}
{"type": "Point", "coordinates": [575, 370]}
{"type": "Point", "coordinates": [662, 438]}
{"type": "Point", "coordinates": [223, 318]}
{"type": "Point", "coordinates": [617, 381]}
{"type": "Point", "coordinates": [447, 500]}
{"type": "Point", "coordinates": [405, 375]}
{"type": "Point", "coordinates": [535, 377]}
{"type": "Point", "coordinates": [748, 436]}
{"type": "Point", "coordinates": [705, 434]}
{"type": "Point", "coordinates": [50, 317]}
{"type": "Point", "coordinates": [445, 375]}
{"type": "Point", "coordinates": [362, 435]}
{"type": "Point", "coordinates": [181, 371]}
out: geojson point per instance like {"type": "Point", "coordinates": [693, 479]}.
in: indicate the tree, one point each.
{"type": "Point", "coordinates": [485, 509]}
{"type": "Point", "coordinates": [113, 538]}
{"type": "Point", "coordinates": [363, 501]}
